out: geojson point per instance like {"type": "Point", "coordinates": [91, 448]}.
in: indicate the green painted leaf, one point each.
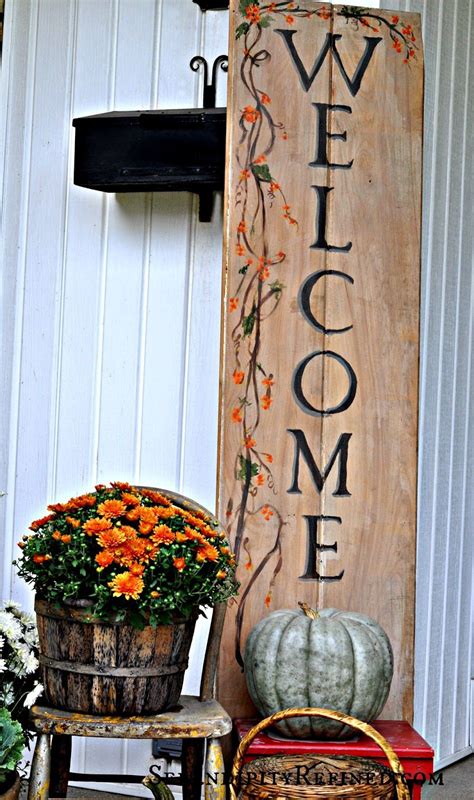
{"type": "Point", "coordinates": [242, 472]}
{"type": "Point", "coordinates": [248, 323]}
{"type": "Point", "coordinates": [262, 172]}
{"type": "Point", "coordinates": [265, 22]}
{"type": "Point", "coordinates": [241, 30]}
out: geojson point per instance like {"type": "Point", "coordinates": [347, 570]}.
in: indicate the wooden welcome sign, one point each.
{"type": "Point", "coordinates": [318, 442]}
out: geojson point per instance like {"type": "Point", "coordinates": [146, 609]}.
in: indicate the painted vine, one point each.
{"type": "Point", "coordinates": [259, 196]}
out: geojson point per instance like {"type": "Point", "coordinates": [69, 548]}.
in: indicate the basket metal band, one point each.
{"type": "Point", "coordinates": [113, 672]}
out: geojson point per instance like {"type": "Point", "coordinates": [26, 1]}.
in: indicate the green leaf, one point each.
{"type": "Point", "coordinates": [262, 172]}
{"type": "Point", "coordinates": [248, 323]}
{"type": "Point", "coordinates": [243, 270]}
{"type": "Point", "coordinates": [241, 30]}
{"type": "Point", "coordinates": [242, 472]}
{"type": "Point", "coordinates": [265, 22]}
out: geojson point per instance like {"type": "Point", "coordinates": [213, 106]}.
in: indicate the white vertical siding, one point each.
{"type": "Point", "coordinates": [444, 625]}
{"type": "Point", "coordinates": [110, 303]}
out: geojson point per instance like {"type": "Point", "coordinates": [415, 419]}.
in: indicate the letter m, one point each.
{"type": "Point", "coordinates": [341, 452]}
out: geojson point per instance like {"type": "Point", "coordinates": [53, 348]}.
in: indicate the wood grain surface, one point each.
{"type": "Point", "coordinates": [318, 425]}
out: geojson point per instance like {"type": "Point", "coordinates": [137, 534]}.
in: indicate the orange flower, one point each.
{"type": "Point", "coordinates": [238, 376]}
{"type": "Point", "coordinates": [57, 536]}
{"type": "Point", "coordinates": [66, 538]}
{"type": "Point", "coordinates": [74, 523]}
{"type": "Point", "coordinates": [248, 564]}
{"type": "Point", "coordinates": [83, 501]}
{"type": "Point", "coordinates": [233, 303]}
{"type": "Point", "coordinates": [290, 19]}
{"type": "Point", "coordinates": [260, 479]}
{"type": "Point", "coordinates": [97, 525]}
{"type": "Point", "coordinates": [127, 585]}
{"type": "Point", "coordinates": [38, 558]}
{"type": "Point", "coordinates": [221, 574]}
{"type": "Point", "coordinates": [137, 569]}
{"type": "Point", "coordinates": [268, 600]}
{"type": "Point", "coordinates": [155, 497]}
{"type": "Point", "coordinates": [260, 159]}
{"type": "Point", "coordinates": [265, 98]}
{"type": "Point", "coordinates": [267, 512]}
{"type": "Point", "coordinates": [58, 508]}
{"type": "Point", "coordinates": [268, 381]}
{"type": "Point", "coordinates": [154, 594]}
{"type": "Point", "coordinates": [274, 186]}
{"type": "Point", "coordinates": [266, 402]}
{"type": "Point", "coordinates": [112, 538]}
{"type": "Point", "coordinates": [225, 550]}
{"type": "Point", "coordinates": [281, 255]}
{"type": "Point", "coordinates": [284, 136]}
{"type": "Point", "coordinates": [21, 545]}
{"type": "Point", "coordinates": [271, 8]}
{"type": "Point", "coordinates": [104, 559]}
{"type": "Point", "coordinates": [241, 227]}
{"type": "Point", "coordinates": [268, 457]}
{"type": "Point", "coordinates": [395, 20]}
{"type": "Point", "coordinates": [239, 250]}
{"type": "Point", "coordinates": [244, 174]}
{"type": "Point", "coordinates": [112, 508]}
{"type": "Point", "coordinates": [207, 553]}
{"type": "Point", "coordinates": [179, 563]}
{"type": "Point", "coordinates": [38, 523]}
{"type": "Point", "coordinates": [165, 513]}
{"type": "Point", "coordinates": [249, 442]}
{"type": "Point", "coordinates": [236, 415]}
{"type": "Point", "coordinates": [252, 13]}
{"type": "Point", "coordinates": [162, 534]}
{"type": "Point", "coordinates": [251, 114]}
{"type": "Point", "coordinates": [181, 537]}
{"type": "Point", "coordinates": [130, 499]}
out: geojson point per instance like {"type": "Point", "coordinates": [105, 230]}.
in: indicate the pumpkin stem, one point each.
{"type": "Point", "coordinates": [310, 612]}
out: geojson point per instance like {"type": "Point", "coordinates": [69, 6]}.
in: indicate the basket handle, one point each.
{"type": "Point", "coordinates": [393, 760]}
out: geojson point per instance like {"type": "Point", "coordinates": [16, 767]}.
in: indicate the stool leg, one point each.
{"type": "Point", "coordinates": [40, 768]}
{"type": "Point", "coordinates": [214, 777]}
{"type": "Point", "coordinates": [60, 765]}
{"type": "Point", "coordinates": [191, 765]}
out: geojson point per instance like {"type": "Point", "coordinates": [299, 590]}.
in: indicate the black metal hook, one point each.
{"type": "Point", "coordinates": [209, 91]}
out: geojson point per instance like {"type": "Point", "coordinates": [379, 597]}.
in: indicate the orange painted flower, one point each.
{"type": "Point", "coordinates": [260, 479]}
{"type": "Point", "coordinates": [290, 19]}
{"type": "Point", "coordinates": [97, 525]}
{"type": "Point", "coordinates": [274, 186]}
{"type": "Point", "coordinates": [249, 442]}
{"type": "Point", "coordinates": [240, 250]}
{"type": "Point", "coordinates": [179, 563]}
{"type": "Point", "coordinates": [251, 114]}
{"type": "Point", "coordinates": [266, 512]}
{"type": "Point", "coordinates": [268, 457]}
{"type": "Point", "coordinates": [252, 13]}
{"type": "Point", "coordinates": [266, 100]}
{"type": "Point", "coordinates": [112, 508]}
{"type": "Point", "coordinates": [395, 20]}
{"type": "Point", "coordinates": [266, 402]}
{"type": "Point", "coordinates": [242, 227]}
{"type": "Point", "coordinates": [244, 175]}
{"type": "Point", "coordinates": [127, 585]}
{"type": "Point", "coordinates": [268, 381]}
{"type": "Point", "coordinates": [268, 600]}
{"type": "Point", "coordinates": [236, 415]}
{"type": "Point", "coordinates": [112, 538]}
{"type": "Point", "coordinates": [248, 564]}
{"type": "Point", "coordinates": [238, 376]}
{"type": "Point", "coordinates": [233, 303]}
{"type": "Point", "coordinates": [260, 159]}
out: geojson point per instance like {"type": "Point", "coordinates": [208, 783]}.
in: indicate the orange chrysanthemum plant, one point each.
{"type": "Point", "coordinates": [129, 552]}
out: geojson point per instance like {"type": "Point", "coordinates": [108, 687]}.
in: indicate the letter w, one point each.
{"type": "Point", "coordinates": [319, 478]}
{"type": "Point", "coordinates": [306, 79]}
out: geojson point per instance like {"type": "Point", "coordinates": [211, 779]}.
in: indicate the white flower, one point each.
{"type": "Point", "coordinates": [32, 696]}
{"type": "Point", "coordinates": [10, 626]}
{"type": "Point", "coordinates": [31, 663]}
{"type": "Point", "coordinates": [3, 665]}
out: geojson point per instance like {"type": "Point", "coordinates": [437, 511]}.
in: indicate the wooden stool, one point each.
{"type": "Point", "coordinates": [416, 755]}
{"type": "Point", "coordinates": [195, 722]}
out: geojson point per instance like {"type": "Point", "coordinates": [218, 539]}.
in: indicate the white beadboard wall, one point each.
{"type": "Point", "coordinates": [110, 309]}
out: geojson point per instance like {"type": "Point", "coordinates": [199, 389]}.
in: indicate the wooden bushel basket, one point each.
{"type": "Point", "coordinates": [303, 777]}
{"type": "Point", "coordinates": [99, 667]}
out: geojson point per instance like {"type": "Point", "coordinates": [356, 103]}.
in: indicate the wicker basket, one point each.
{"type": "Point", "coordinates": [303, 777]}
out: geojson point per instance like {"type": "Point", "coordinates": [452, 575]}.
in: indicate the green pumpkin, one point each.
{"type": "Point", "coordinates": [328, 659]}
